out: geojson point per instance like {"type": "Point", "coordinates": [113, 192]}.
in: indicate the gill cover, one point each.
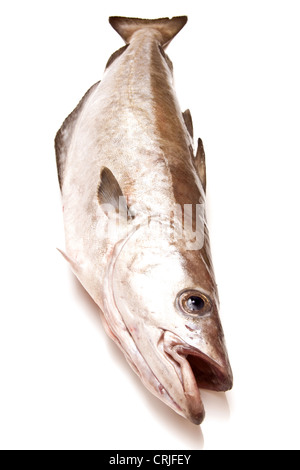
{"type": "Point", "coordinates": [183, 352]}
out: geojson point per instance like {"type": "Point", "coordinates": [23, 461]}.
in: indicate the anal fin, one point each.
{"type": "Point", "coordinates": [64, 135]}
{"type": "Point", "coordinates": [115, 55]}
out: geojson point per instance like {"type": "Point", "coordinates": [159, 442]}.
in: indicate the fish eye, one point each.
{"type": "Point", "coordinates": [193, 302]}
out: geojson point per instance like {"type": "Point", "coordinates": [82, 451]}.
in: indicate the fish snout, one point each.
{"type": "Point", "coordinates": [195, 370]}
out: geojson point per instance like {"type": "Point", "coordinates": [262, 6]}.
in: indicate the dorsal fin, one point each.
{"type": "Point", "coordinates": [168, 27]}
{"type": "Point", "coordinates": [199, 162]}
{"type": "Point", "coordinates": [64, 135]}
{"type": "Point", "coordinates": [188, 122]}
{"type": "Point", "coordinates": [110, 195]}
{"type": "Point", "coordinates": [166, 57]}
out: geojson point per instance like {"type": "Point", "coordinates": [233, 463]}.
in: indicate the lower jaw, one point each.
{"type": "Point", "coordinates": [195, 370]}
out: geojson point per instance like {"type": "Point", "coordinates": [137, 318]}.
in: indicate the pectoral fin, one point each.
{"type": "Point", "coordinates": [110, 195]}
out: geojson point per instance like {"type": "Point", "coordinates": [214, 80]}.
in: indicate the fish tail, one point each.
{"type": "Point", "coordinates": [168, 27]}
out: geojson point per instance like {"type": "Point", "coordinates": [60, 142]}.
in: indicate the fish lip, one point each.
{"type": "Point", "coordinates": [209, 374]}
{"type": "Point", "coordinates": [193, 406]}
{"type": "Point", "coordinates": [196, 370]}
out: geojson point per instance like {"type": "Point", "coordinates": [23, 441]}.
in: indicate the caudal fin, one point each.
{"type": "Point", "coordinates": [168, 27]}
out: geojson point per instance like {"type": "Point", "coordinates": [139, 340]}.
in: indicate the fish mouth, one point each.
{"type": "Point", "coordinates": [195, 370]}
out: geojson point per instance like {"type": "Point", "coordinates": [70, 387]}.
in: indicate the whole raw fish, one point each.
{"type": "Point", "coordinates": [133, 195]}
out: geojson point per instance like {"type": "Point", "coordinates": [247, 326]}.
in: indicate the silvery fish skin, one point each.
{"type": "Point", "coordinates": [133, 194]}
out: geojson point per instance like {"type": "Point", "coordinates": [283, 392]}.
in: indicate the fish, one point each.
{"type": "Point", "coordinates": [133, 188]}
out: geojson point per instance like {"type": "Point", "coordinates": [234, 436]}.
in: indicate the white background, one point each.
{"type": "Point", "coordinates": [64, 385]}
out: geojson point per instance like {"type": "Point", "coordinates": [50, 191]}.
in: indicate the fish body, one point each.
{"type": "Point", "coordinates": [133, 194]}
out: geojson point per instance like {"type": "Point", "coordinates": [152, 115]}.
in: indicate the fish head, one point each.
{"type": "Point", "coordinates": [167, 300]}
